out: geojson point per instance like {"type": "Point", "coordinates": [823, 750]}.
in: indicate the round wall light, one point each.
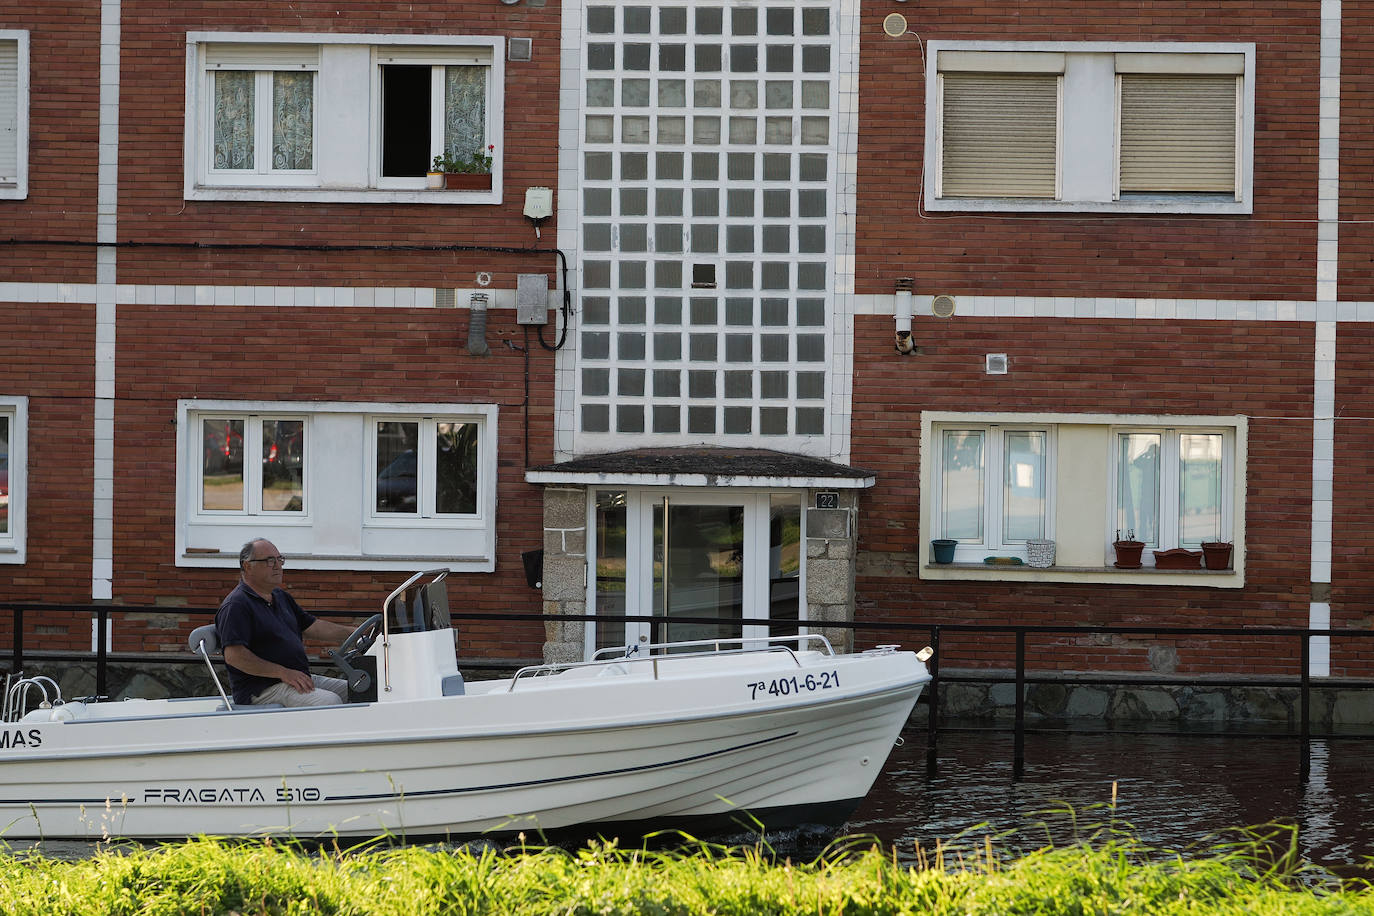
{"type": "Point", "coordinates": [894, 25]}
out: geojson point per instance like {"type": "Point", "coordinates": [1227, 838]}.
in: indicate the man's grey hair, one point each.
{"type": "Point", "coordinates": [246, 551]}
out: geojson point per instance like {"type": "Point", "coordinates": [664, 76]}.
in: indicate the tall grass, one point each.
{"type": "Point", "coordinates": [1110, 874]}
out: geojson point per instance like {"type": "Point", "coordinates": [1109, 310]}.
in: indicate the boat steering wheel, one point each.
{"type": "Point", "coordinates": [361, 639]}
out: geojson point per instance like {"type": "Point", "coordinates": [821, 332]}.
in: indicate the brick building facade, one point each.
{"type": "Point", "coordinates": [220, 244]}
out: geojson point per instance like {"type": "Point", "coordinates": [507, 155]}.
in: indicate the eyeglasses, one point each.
{"type": "Point", "coordinates": [278, 560]}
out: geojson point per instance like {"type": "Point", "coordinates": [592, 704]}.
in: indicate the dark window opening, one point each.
{"type": "Point", "coordinates": [405, 121]}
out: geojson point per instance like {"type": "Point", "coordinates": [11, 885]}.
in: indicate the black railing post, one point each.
{"type": "Point", "coordinates": [933, 688]}
{"type": "Point", "coordinates": [1305, 688]}
{"type": "Point", "coordinates": [102, 621]}
{"type": "Point", "coordinates": [1019, 750]}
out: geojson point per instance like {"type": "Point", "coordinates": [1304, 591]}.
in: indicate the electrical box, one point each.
{"type": "Point", "coordinates": [532, 299]}
{"type": "Point", "coordinates": [539, 203]}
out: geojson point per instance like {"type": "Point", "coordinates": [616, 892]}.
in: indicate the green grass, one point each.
{"type": "Point", "coordinates": [1258, 873]}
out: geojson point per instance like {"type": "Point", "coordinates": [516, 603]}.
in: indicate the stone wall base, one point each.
{"type": "Point", "coordinates": [1332, 707]}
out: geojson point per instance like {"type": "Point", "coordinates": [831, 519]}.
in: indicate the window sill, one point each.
{"type": "Point", "coordinates": [1146, 575]}
{"type": "Point", "coordinates": [346, 195]}
{"type": "Point", "coordinates": [1144, 204]}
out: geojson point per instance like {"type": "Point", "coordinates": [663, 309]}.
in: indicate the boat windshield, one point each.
{"type": "Point", "coordinates": [419, 608]}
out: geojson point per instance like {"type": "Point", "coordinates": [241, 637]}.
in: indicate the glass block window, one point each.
{"type": "Point", "coordinates": [707, 253]}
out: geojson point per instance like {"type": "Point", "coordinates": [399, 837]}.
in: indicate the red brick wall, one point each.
{"type": "Point", "coordinates": [1263, 370]}
{"type": "Point", "coordinates": [353, 354]}
{"type": "Point", "coordinates": [152, 208]}
{"type": "Point", "coordinates": [49, 358]}
{"type": "Point", "coordinates": [1352, 591]}
{"type": "Point", "coordinates": [1267, 256]}
{"type": "Point", "coordinates": [1357, 152]}
{"type": "Point", "coordinates": [64, 94]}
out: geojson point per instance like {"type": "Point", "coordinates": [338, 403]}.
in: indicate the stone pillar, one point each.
{"type": "Point", "coordinates": [830, 567]}
{"type": "Point", "coordinates": [565, 571]}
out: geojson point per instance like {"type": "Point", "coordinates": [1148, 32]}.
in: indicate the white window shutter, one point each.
{"type": "Point", "coordinates": [1000, 134]}
{"type": "Point", "coordinates": [1178, 133]}
{"type": "Point", "coordinates": [9, 111]}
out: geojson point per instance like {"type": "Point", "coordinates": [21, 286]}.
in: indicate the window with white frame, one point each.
{"type": "Point", "coordinates": [261, 119]}
{"type": "Point", "coordinates": [1172, 486]}
{"type": "Point", "coordinates": [13, 468]}
{"type": "Point", "coordinates": [993, 490]}
{"type": "Point", "coordinates": [1126, 127]}
{"type": "Point", "coordinates": [424, 468]}
{"type": "Point", "coordinates": [338, 485]}
{"type": "Point", "coordinates": [14, 114]}
{"type": "Point", "coordinates": [340, 117]}
{"type": "Point", "coordinates": [229, 484]}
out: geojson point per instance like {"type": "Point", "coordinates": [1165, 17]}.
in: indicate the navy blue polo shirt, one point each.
{"type": "Point", "coordinates": [270, 630]}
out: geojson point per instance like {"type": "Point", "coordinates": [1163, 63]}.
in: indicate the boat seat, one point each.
{"type": "Point", "coordinates": [204, 640]}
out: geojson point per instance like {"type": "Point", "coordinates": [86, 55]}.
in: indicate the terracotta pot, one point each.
{"type": "Point", "coordinates": [1178, 558]}
{"type": "Point", "coordinates": [467, 181]}
{"type": "Point", "coordinates": [1128, 553]}
{"type": "Point", "coordinates": [1217, 554]}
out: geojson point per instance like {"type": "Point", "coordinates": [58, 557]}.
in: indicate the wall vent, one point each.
{"type": "Point", "coordinates": [520, 49]}
{"type": "Point", "coordinates": [996, 364]}
{"type": "Point", "coordinates": [942, 306]}
{"type": "Point", "coordinates": [446, 298]}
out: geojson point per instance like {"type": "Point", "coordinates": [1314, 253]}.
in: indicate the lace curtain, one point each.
{"type": "Point", "coordinates": [293, 120]}
{"type": "Point", "coordinates": [234, 119]}
{"type": "Point", "coordinates": [465, 110]}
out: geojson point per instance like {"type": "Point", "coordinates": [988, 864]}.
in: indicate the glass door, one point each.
{"type": "Point", "coordinates": [699, 563]}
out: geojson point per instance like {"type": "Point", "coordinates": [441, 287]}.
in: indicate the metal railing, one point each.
{"type": "Point", "coordinates": [939, 635]}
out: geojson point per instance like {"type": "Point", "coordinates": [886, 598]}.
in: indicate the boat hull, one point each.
{"type": "Point", "coordinates": [637, 751]}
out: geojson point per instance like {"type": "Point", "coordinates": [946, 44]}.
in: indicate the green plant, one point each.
{"type": "Point", "coordinates": [477, 162]}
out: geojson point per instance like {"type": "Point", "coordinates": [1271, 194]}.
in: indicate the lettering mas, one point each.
{"type": "Point", "coordinates": [15, 738]}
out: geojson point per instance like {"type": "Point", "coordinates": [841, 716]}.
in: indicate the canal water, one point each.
{"type": "Point", "coordinates": [1174, 791]}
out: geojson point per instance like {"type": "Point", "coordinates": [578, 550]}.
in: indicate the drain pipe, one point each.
{"type": "Point", "coordinates": [477, 325]}
{"type": "Point", "coordinates": [902, 311]}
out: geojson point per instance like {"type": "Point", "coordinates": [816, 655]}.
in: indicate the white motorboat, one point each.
{"type": "Point", "coordinates": [687, 735]}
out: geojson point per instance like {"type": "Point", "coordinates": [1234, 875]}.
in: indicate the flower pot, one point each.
{"type": "Point", "coordinates": [467, 181]}
{"type": "Point", "coordinates": [1178, 558]}
{"type": "Point", "coordinates": [1128, 553]}
{"type": "Point", "coordinates": [1216, 554]}
{"type": "Point", "coordinates": [434, 180]}
{"type": "Point", "coordinates": [1039, 553]}
{"type": "Point", "coordinates": [944, 549]}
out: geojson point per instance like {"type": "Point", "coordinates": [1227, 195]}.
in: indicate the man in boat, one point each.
{"type": "Point", "coordinates": [262, 629]}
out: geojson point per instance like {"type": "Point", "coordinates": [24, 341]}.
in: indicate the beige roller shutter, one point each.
{"type": "Point", "coordinates": [1178, 133]}
{"type": "Point", "coordinates": [1000, 134]}
{"type": "Point", "coordinates": [9, 111]}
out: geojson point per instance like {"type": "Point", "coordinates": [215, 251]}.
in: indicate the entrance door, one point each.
{"type": "Point", "coordinates": [699, 563]}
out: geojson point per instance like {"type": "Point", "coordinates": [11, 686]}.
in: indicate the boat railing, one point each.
{"type": "Point", "coordinates": [17, 690]}
{"type": "Point", "coordinates": [656, 653]}
{"type": "Point", "coordinates": [715, 645]}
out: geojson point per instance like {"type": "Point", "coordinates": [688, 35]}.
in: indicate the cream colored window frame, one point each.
{"type": "Point", "coordinates": [1088, 116]}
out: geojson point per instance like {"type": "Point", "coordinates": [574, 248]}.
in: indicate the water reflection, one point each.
{"type": "Point", "coordinates": [1174, 791]}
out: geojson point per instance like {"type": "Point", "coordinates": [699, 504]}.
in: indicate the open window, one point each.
{"type": "Point", "coordinates": [340, 117]}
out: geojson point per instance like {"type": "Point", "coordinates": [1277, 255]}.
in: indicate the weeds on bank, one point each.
{"type": "Point", "coordinates": [1255, 872]}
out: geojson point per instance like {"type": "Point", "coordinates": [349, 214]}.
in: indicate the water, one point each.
{"type": "Point", "coordinates": [1174, 791]}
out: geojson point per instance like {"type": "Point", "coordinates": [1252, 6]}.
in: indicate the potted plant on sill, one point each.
{"type": "Point", "coordinates": [465, 173]}
{"type": "Point", "coordinates": [1128, 550]}
{"type": "Point", "coordinates": [1216, 554]}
